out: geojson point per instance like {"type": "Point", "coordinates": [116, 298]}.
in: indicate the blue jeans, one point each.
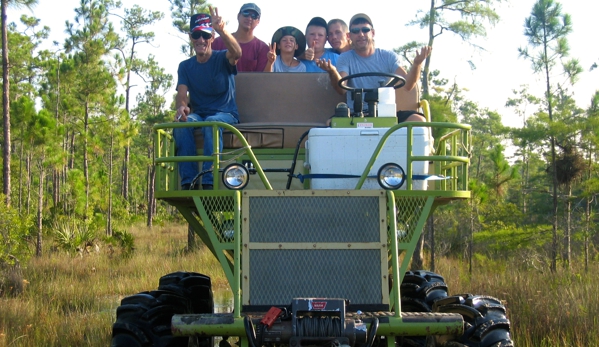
{"type": "Point", "coordinates": [185, 145]}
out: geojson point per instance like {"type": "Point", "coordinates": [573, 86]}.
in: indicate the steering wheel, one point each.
{"type": "Point", "coordinates": [396, 81]}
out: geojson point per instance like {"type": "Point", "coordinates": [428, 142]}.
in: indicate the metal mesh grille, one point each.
{"type": "Point", "coordinates": [408, 212]}
{"type": "Point", "coordinates": [278, 276]}
{"type": "Point", "coordinates": [221, 216]}
{"type": "Point", "coordinates": [314, 219]}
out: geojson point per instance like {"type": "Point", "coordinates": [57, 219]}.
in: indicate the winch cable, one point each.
{"type": "Point", "coordinates": [319, 326]}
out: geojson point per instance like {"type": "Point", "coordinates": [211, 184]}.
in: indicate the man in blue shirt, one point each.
{"type": "Point", "coordinates": [365, 57]}
{"type": "Point", "coordinates": [206, 83]}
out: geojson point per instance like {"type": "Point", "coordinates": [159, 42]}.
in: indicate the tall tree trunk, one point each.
{"type": "Point", "coordinates": [28, 177]}
{"type": "Point", "coordinates": [85, 159]}
{"type": "Point", "coordinates": [555, 243]}
{"type": "Point", "coordinates": [587, 214]}
{"type": "Point", "coordinates": [417, 258]}
{"type": "Point", "coordinates": [5, 107]}
{"type": "Point", "coordinates": [40, 208]}
{"type": "Point", "coordinates": [109, 217]}
{"type": "Point", "coordinates": [55, 171]}
{"type": "Point", "coordinates": [191, 239]}
{"type": "Point", "coordinates": [568, 229]}
{"type": "Point", "coordinates": [125, 189]}
{"type": "Point", "coordinates": [21, 156]}
{"type": "Point", "coordinates": [71, 164]}
{"type": "Point", "coordinates": [431, 231]}
{"type": "Point", "coordinates": [471, 236]}
{"type": "Point", "coordinates": [151, 199]}
{"type": "Point", "coordinates": [55, 187]}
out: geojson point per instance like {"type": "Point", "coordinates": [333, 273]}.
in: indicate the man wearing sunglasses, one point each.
{"type": "Point", "coordinates": [255, 51]}
{"type": "Point", "coordinates": [364, 57]}
{"type": "Point", "coordinates": [205, 93]}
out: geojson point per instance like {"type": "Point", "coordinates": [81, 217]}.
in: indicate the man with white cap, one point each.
{"type": "Point", "coordinates": [364, 57]}
{"type": "Point", "coordinates": [205, 93]}
{"type": "Point", "coordinates": [254, 50]}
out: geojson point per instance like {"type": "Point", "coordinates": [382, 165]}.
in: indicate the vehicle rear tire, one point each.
{"type": "Point", "coordinates": [485, 321]}
{"type": "Point", "coordinates": [419, 291]}
{"type": "Point", "coordinates": [144, 320]}
{"type": "Point", "coordinates": [197, 288]}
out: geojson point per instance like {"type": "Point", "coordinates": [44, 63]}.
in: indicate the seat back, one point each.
{"type": "Point", "coordinates": [275, 109]}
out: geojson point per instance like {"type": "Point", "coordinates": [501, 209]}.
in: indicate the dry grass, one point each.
{"type": "Point", "coordinates": [545, 309]}
{"type": "Point", "coordinates": [71, 301]}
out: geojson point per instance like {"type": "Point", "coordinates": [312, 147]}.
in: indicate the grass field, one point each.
{"type": "Point", "coordinates": [71, 300]}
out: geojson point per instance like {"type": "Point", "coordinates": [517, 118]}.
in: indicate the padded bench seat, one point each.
{"type": "Point", "coordinates": [275, 109]}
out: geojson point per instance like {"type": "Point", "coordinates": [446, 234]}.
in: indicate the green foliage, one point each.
{"type": "Point", "coordinates": [122, 239]}
{"type": "Point", "coordinates": [72, 235]}
{"type": "Point", "coordinates": [16, 233]}
{"type": "Point", "coordinates": [502, 242]}
{"type": "Point", "coordinates": [466, 19]}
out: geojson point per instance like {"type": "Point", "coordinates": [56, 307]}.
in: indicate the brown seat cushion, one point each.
{"type": "Point", "coordinates": [275, 109]}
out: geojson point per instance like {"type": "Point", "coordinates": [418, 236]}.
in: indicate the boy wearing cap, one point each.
{"type": "Point", "coordinates": [208, 78]}
{"type": "Point", "coordinates": [287, 44]}
{"type": "Point", "coordinates": [254, 50]}
{"type": "Point", "coordinates": [364, 57]}
{"type": "Point", "coordinates": [316, 36]}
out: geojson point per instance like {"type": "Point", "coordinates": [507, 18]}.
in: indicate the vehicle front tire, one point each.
{"type": "Point", "coordinates": [485, 321]}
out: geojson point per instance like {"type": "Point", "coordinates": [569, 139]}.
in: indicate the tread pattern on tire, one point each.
{"type": "Point", "coordinates": [419, 290]}
{"type": "Point", "coordinates": [144, 319]}
{"type": "Point", "coordinates": [485, 321]}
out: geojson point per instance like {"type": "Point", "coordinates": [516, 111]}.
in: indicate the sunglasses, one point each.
{"type": "Point", "coordinates": [197, 34]}
{"type": "Point", "coordinates": [254, 15]}
{"type": "Point", "coordinates": [364, 30]}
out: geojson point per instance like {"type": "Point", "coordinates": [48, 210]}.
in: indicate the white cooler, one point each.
{"type": "Point", "coordinates": [347, 151]}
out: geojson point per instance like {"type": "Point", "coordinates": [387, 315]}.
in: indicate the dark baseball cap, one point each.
{"type": "Point", "coordinates": [200, 22]}
{"type": "Point", "coordinates": [250, 6]}
{"type": "Point", "coordinates": [319, 22]}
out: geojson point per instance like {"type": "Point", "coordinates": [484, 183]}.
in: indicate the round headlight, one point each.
{"type": "Point", "coordinates": [391, 176]}
{"type": "Point", "coordinates": [236, 176]}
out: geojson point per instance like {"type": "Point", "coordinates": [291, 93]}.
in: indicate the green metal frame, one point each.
{"type": "Point", "coordinates": [207, 211]}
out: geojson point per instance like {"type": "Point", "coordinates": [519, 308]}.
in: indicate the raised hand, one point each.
{"type": "Point", "coordinates": [272, 53]}
{"type": "Point", "coordinates": [326, 65]}
{"type": "Point", "coordinates": [309, 53]}
{"type": "Point", "coordinates": [218, 24]}
{"type": "Point", "coordinates": [420, 56]}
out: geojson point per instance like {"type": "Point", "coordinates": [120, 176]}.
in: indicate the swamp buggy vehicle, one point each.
{"type": "Point", "coordinates": [315, 226]}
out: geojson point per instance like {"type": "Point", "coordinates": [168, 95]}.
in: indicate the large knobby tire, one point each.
{"type": "Point", "coordinates": [197, 289]}
{"type": "Point", "coordinates": [485, 321]}
{"type": "Point", "coordinates": [144, 319]}
{"type": "Point", "coordinates": [419, 291]}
